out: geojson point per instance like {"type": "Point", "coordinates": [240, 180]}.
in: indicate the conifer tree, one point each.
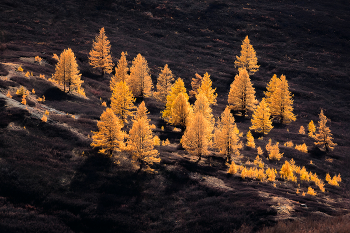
{"type": "Point", "coordinates": [261, 122]}
{"type": "Point", "coordinates": [248, 59]}
{"type": "Point", "coordinates": [164, 82]}
{"type": "Point", "coordinates": [177, 88]}
{"type": "Point", "coordinates": [195, 84]}
{"type": "Point", "coordinates": [181, 111]}
{"type": "Point", "coordinates": [202, 105]}
{"type": "Point", "coordinates": [121, 71]}
{"type": "Point", "coordinates": [323, 136]}
{"type": "Point", "coordinates": [206, 88]}
{"type": "Point", "coordinates": [312, 129]}
{"type": "Point", "coordinates": [141, 142]}
{"type": "Point", "coordinates": [250, 140]}
{"type": "Point", "coordinates": [100, 54]}
{"type": "Point", "coordinates": [280, 101]}
{"type": "Point", "coordinates": [140, 81]}
{"type": "Point", "coordinates": [109, 136]}
{"type": "Point", "coordinates": [122, 101]}
{"type": "Point", "coordinates": [141, 111]}
{"type": "Point", "coordinates": [67, 73]}
{"type": "Point", "coordinates": [271, 87]}
{"type": "Point", "coordinates": [226, 135]}
{"type": "Point", "coordinates": [242, 93]}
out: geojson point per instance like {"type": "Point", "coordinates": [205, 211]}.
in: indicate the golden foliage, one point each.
{"type": "Point", "coordinates": [47, 113]}
{"type": "Point", "coordinates": [271, 174]}
{"type": "Point", "coordinates": [181, 111]}
{"type": "Point", "coordinates": [156, 141]}
{"type": "Point", "coordinates": [301, 147]}
{"type": "Point", "coordinates": [42, 76]}
{"type": "Point", "coordinates": [304, 175]}
{"type": "Point", "coordinates": [164, 83]}
{"type": "Point", "coordinates": [33, 91]}
{"type": "Point", "coordinates": [109, 136]}
{"type": "Point", "coordinates": [100, 54]}
{"type": "Point", "coordinates": [280, 100]}
{"type": "Point", "coordinates": [177, 88]}
{"type": "Point", "coordinates": [232, 169]}
{"type": "Point", "coordinates": [260, 151]}
{"type": "Point", "coordinates": [258, 161]}
{"type": "Point", "coordinates": [207, 90]}
{"type": "Point", "coordinates": [140, 81]}
{"type": "Point", "coordinates": [41, 99]}
{"type": "Point", "coordinates": [250, 140]}
{"type": "Point", "coordinates": [54, 56]}
{"type": "Point", "coordinates": [289, 144]}
{"type": "Point", "coordinates": [226, 136]}
{"type": "Point", "coordinates": [274, 151]}
{"type": "Point", "coordinates": [141, 112]}
{"type": "Point", "coordinates": [44, 118]}
{"type": "Point", "coordinates": [20, 69]}
{"type": "Point", "coordinates": [333, 181]}
{"type": "Point", "coordinates": [242, 93]}
{"type": "Point", "coordinates": [122, 101]}
{"type": "Point", "coordinates": [141, 144]}
{"type": "Point", "coordinates": [104, 104]}
{"type": "Point", "coordinates": [9, 94]}
{"type": "Point", "coordinates": [286, 172]}
{"type": "Point", "coordinates": [253, 173]}
{"type": "Point", "coordinates": [302, 130]}
{"type": "Point", "coordinates": [323, 136]}
{"type": "Point", "coordinates": [38, 59]}
{"type": "Point", "coordinates": [24, 101]}
{"type": "Point", "coordinates": [248, 59]}
{"type": "Point", "coordinates": [27, 74]}
{"type": "Point", "coordinates": [311, 191]}
{"type": "Point", "coordinates": [261, 122]}
{"type": "Point", "coordinates": [312, 129]}
{"type": "Point", "coordinates": [195, 84]}
{"type": "Point", "coordinates": [67, 72]}
{"type": "Point", "coordinates": [121, 72]}
{"type": "Point", "coordinates": [166, 142]}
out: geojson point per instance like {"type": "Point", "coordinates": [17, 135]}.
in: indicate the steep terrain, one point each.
{"type": "Point", "coordinates": [52, 181]}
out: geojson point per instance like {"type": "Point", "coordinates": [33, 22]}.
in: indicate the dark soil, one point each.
{"type": "Point", "coordinates": [52, 181]}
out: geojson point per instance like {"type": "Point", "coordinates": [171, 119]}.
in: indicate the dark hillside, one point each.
{"type": "Point", "coordinates": [51, 180]}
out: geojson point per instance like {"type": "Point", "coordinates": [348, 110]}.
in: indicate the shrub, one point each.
{"type": "Point", "coordinates": [311, 191]}
{"type": "Point", "coordinates": [302, 130]}
{"type": "Point", "coordinates": [287, 172]}
{"type": "Point", "coordinates": [232, 169]}
{"type": "Point", "coordinates": [38, 59]}
{"type": "Point", "coordinates": [302, 148]}
{"type": "Point", "coordinates": [271, 174]}
{"type": "Point", "coordinates": [288, 144]}
{"type": "Point", "coordinates": [260, 151]}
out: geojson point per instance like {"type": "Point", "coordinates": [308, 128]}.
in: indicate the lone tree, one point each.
{"type": "Point", "coordinates": [141, 144]}
{"type": "Point", "coordinates": [164, 82]}
{"type": "Point", "coordinates": [261, 122]}
{"type": "Point", "coordinates": [323, 136]}
{"type": "Point", "coordinates": [181, 111]}
{"type": "Point", "coordinates": [195, 84]}
{"type": "Point", "coordinates": [122, 101]}
{"type": "Point", "coordinates": [140, 81]}
{"type": "Point", "coordinates": [280, 100]}
{"type": "Point", "coordinates": [67, 73]}
{"type": "Point", "coordinates": [100, 54]}
{"type": "Point", "coordinates": [226, 136]}
{"type": "Point", "coordinates": [206, 88]}
{"type": "Point", "coordinates": [242, 93]}
{"type": "Point", "coordinates": [109, 136]}
{"type": "Point", "coordinates": [248, 59]}
{"type": "Point", "coordinates": [121, 71]}
{"type": "Point", "coordinates": [177, 88]}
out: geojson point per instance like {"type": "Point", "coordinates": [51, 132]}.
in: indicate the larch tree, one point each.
{"type": "Point", "coordinates": [181, 111]}
{"type": "Point", "coordinates": [206, 88]}
{"type": "Point", "coordinates": [226, 136]}
{"type": "Point", "coordinates": [121, 71]}
{"type": "Point", "coordinates": [67, 72]}
{"type": "Point", "coordinates": [195, 84]}
{"type": "Point", "coordinates": [140, 81]}
{"type": "Point", "coordinates": [141, 111]}
{"type": "Point", "coordinates": [311, 128]}
{"type": "Point", "coordinates": [242, 93]}
{"type": "Point", "coordinates": [164, 82]}
{"type": "Point", "coordinates": [202, 105]}
{"type": "Point", "coordinates": [250, 140]}
{"type": "Point", "coordinates": [177, 88]}
{"type": "Point", "coordinates": [248, 59]}
{"type": "Point", "coordinates": [140, 144]}
{"type": "Point", "coordinates": [271, 87]}
{"type": "Point", "coordinates": [100, 54]}
{"type": "Point", "coordinates": [122, 101]}
{"type": "Point", "coordinates": [323, 135]}
{"type": "Point", "coordinates": [109, 136]}
{"type": "Point", "coordinates": [280, 101]}
{"type": "Point", "coordinates": [261, 122]}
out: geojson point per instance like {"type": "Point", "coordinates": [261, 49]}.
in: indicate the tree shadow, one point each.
{"type": "Point", "coordinates": [55, 94]}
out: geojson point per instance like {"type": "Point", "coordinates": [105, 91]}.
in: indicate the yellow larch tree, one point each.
{"type": "Point", "coordinates": [226, 136]}
{"type": "Point", "coordinates": [141, 111]}
{"type": "Point", "coordinates": [164, 82]}
{"type": "Point", "coordinates": [271, 87]}
{"type": "Point", "coordinates": [250, 140]}
{"type": "Point", "coordinates": [181, 111]}
{"type": "Point", "coordinates": [280, 101]}
{"type": "Point", "coordinates": [261, 122]}
{"type": "Point", "coordinates": [312, 129]}
{"type": "Point", "coordinates": [177, 88]}
{"type": "Point", "coordinates": [242, 93]}
{"type": "Point", "coordinates": [100, 54]}
{"type": "Point", "coordinates": [109, 136]}
{"type": "Point", "coordinates": [195, 84]}
{"type": "Point", "coordinates": [248, 59]}
{"type": "Point", "coordinates": [323, 136]}
{"type": "Point", "coordinates": [301, 130]}
{"type": "Point", "coordinates": [121, 71]}
{"type": "Point", "coordinates": [206, 88]}
{"type": "Point", "coordinates": [202, 105]}
{"type": "Point", "coordinates": [67, 72]}
{"type": "Point", "coordinates": [140, 81]}
{"type": "Point", "coordinates": [122, 101]}
{"type": "Point", "coordinates": [140, 144]}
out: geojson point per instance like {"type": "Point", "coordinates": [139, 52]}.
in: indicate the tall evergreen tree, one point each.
{"type": "Point", "coordinates": [181, 111]}
{"type": "Point", "coordinates": [323, 136]}
{"type": "Point", "coordinates": [248, 59]}
{"type": "Point", "coordinates": [140, 81]}
{"type": "Point", "coordinates": [177, 88]}
{"type": "Point", "coordinates": [164, 82]}
{"type": "Point", "coordinates": [121, 71]}
{"type": "Point", "coordinates": [122, 101]}
{"type": "Point", "coordinates": [242, 93]}
{"type": "Point", "coordinates": [261, 122]}
{"type": "Point", "coordinates": [206, 88]}
{"type": "Point", "coordinates": [100, 54]}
